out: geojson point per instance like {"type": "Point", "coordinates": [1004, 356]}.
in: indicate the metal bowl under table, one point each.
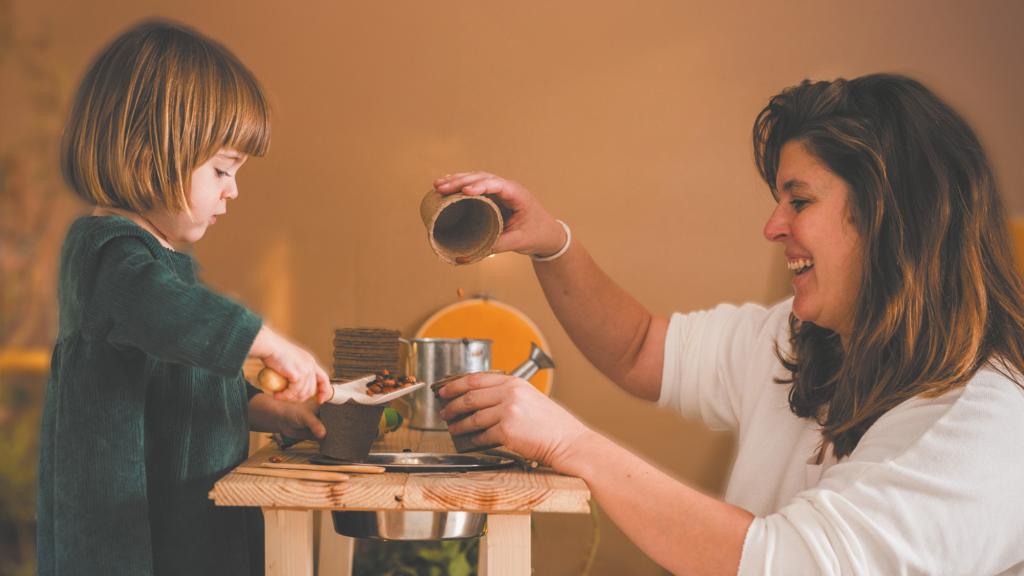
{"type": "Point", "coordinates": [419, 524]}
{"type": "Point", "coordinates": [410, 525]}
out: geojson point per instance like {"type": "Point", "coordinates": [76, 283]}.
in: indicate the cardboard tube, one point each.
{"type": "Point", "coordinates": [461, 229]}
{"type": "Point", "coordinates": [463, 442]}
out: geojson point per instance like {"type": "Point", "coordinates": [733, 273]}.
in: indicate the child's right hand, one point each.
{"type": "Point", "coordinates": [529, 228]}
{"type": "Point", "coordinates": [304, 374]}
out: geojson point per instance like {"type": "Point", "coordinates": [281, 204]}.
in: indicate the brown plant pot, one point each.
{"type": "Point", "coordinates": [351, 430]}
{"type": "Point", "coordinates": [461, 229]}
{"type": "Point", "coordinates": [463, 442]}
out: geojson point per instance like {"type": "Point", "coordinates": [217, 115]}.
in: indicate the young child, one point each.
{"type": "Point", "coordinates": [146, 405]}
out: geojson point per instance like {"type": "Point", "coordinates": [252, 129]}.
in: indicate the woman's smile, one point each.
{"type": "Point", "coordinates": [800, 265]}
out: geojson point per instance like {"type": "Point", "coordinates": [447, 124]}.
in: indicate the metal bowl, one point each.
{"type": "Point", "coordinates": [410, 525]}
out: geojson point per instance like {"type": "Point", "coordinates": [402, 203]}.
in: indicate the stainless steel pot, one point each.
{"type": "Point", "coordinates": [432, 359]}
{"type": "Point", "coordinates": [410, 525]}
{"type": "Point", "coordinates": [436, 358]}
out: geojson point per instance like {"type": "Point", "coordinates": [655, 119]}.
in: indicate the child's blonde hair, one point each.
{"type": "Point", "coordinates": [158, 102]}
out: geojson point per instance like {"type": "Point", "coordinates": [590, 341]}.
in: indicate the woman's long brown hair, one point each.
{"type": "Point", "coordinates": [939, 296]}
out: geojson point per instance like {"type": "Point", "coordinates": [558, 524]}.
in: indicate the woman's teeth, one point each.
{"type": "Point", "coordinates": [800, 265]}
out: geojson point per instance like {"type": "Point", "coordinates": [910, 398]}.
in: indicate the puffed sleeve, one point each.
{"type": "Point", "coordinates": [137, 300]}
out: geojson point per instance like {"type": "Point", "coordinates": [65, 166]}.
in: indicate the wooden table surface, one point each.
{"type": "Point", "coordinates": [507, 495]}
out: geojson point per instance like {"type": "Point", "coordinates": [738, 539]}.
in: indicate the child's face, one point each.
{"type": "Point", "coordinates": [213, 183]}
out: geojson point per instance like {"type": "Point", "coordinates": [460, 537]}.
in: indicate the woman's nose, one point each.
{"type": "Point", "coordinates": [777, 226]}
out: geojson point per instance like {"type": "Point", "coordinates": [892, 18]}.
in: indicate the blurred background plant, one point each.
{"type": "Point", "coordinates": [34, 212]}
{"type": "Point", "coordinates": [34, 206]}
{"type": "Point", "coordinates": [445, 558]}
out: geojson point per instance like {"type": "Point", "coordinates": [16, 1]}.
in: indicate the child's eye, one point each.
{"type": "Point", "coordinates": [222, 173]}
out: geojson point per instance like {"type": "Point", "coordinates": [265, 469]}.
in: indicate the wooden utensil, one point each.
{"type": "Point", "coordinates": [296, 474]}
{"type": "Point", "coordinates": [356, 468]}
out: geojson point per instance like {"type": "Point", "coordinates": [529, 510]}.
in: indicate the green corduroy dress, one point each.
{"type": "Point", "coordinates": [146, 407]}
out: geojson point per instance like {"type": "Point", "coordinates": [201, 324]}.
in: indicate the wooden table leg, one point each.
{"type": "Point", "coordinates": [289, 542]}
{"type": "Point", "coordinates": [336, 551]}
{"type": "Point", "coordinates": [505, 550]}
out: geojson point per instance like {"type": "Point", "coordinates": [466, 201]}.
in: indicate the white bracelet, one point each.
{"type": "Point", "coordinates": [561, 251]}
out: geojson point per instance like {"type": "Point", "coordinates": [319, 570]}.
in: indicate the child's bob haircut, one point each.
{"type": "Point", "coordinates": [157, 103]}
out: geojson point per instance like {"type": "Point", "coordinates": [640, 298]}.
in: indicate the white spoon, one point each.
{"type": "Point", "coordinates": [271, 381]}
{"type": "Point", "coordinates": [355, 390]}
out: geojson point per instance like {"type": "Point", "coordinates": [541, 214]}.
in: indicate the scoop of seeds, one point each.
{"type": "Point", "coordinates": [386, 383]}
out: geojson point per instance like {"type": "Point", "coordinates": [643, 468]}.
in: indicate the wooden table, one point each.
{"type": "Point", "coordinates": [293, 509]}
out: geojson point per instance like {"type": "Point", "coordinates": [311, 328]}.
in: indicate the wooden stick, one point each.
{"type": "Point", "coordinates": [358, 468]}
{"type": "Point", "coordinates": [296, 474]}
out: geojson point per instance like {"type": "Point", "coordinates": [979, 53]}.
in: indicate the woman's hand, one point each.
{"type": "Point", "coordinates": [304, 374]}
{"type": "Point", "coordinates": [529, 229]}
{"type": "Point", "coordinates": [505, 410]}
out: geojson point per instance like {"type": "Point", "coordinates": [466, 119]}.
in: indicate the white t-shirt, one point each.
{"type": "Point", "coordinates": [935, 486]}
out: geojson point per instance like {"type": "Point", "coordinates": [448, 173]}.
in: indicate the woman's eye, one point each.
{"type": "Point", "coordinates": [798, 204]}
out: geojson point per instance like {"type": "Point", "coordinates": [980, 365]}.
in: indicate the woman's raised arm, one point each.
{"type": "Point", "coordinates": [616, 333]}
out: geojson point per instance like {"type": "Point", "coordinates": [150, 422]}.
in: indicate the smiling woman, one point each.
{"type": "Point", "coordinates": [879, 409]}
{"type": "Point", "coordinates": [941, 276]}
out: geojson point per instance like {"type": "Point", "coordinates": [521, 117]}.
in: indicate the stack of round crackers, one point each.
{"type": "Point", "coordinates": [361, 351]}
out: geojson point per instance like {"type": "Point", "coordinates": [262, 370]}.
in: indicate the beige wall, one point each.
{"type": "Point", "coordinates": [630, 120]}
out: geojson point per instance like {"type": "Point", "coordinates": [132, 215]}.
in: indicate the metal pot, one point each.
{"type": "Point", "coordinates": [436, 358]}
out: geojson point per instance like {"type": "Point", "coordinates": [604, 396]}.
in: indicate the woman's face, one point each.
{"type": "Point", "coordinates": [823, 248]}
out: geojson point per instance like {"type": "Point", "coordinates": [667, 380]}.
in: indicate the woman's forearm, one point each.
{"type": "Point", "coordinates": [682, 529]}
{"type": "Point", "coordinates": [615, 332]}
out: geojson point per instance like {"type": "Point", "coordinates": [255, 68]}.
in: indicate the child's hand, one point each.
{"type": "Point", "coordinates": [304, 374]}
{"type": "Point", "coordinates": [299, 420]}
{"type": "Point", "coordinates": [290, 419]}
